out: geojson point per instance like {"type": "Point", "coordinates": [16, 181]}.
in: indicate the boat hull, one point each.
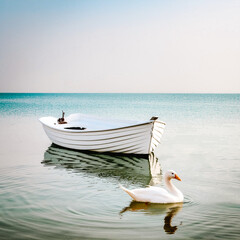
{"type": "Point", "coordinates": [140, 138]}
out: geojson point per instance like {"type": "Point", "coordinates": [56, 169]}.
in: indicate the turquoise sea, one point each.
{"type": "Point", "coordinates": [48, 192]}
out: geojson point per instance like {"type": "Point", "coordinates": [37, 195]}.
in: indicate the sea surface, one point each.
{"type": "Point", "coordinates": [48, 192]}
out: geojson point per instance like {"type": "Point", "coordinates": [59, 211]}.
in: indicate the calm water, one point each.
{"type": "Point", "coordinates": [47, 192]}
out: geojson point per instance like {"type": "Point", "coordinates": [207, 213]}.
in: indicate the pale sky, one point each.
{"type": "Point", "coordinates": [162, 46]}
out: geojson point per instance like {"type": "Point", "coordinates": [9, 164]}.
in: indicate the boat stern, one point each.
{"type": "Point", "coordinates": [157, 132]}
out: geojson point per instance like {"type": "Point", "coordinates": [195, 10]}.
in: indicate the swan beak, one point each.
{"type": "Point", "coordinates": [177, 177]}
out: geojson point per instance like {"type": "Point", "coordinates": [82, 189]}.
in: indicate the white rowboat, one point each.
{"type": "Point", "coordinates": [89, 133]}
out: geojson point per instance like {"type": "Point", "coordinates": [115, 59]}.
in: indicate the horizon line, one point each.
{"type": "Point", "coordinates": [119, 93]}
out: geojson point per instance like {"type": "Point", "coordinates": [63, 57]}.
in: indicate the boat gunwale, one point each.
{"type": "Point", "coordinates": [104, 130]}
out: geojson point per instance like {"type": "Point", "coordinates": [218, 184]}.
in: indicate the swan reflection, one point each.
{"type": "Point", "coordinates": [143, 169]}
{"type": "Point", "coordinates": [170, 210]}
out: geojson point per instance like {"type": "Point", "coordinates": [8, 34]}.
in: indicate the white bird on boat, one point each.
{"type": "Point", "coordinates": [156, 194]}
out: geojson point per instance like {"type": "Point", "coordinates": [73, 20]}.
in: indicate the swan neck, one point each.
{"type": "Point", "coordinates": [170, 185]}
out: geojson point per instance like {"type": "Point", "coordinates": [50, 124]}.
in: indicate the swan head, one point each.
{"type": "Point", "coordinates": [170, 174]}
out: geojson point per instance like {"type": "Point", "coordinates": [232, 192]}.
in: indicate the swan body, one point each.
{"type": "Point", "coordinates": [157, 194]}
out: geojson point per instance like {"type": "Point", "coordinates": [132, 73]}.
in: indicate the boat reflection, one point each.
{"type": "Point", "coordinates": [143, 169]}
{"type": "Point", "coordinates": [154, 209]}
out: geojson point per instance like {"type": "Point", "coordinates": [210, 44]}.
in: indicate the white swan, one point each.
{"type": "Point", "coordinates": [157, 194]}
